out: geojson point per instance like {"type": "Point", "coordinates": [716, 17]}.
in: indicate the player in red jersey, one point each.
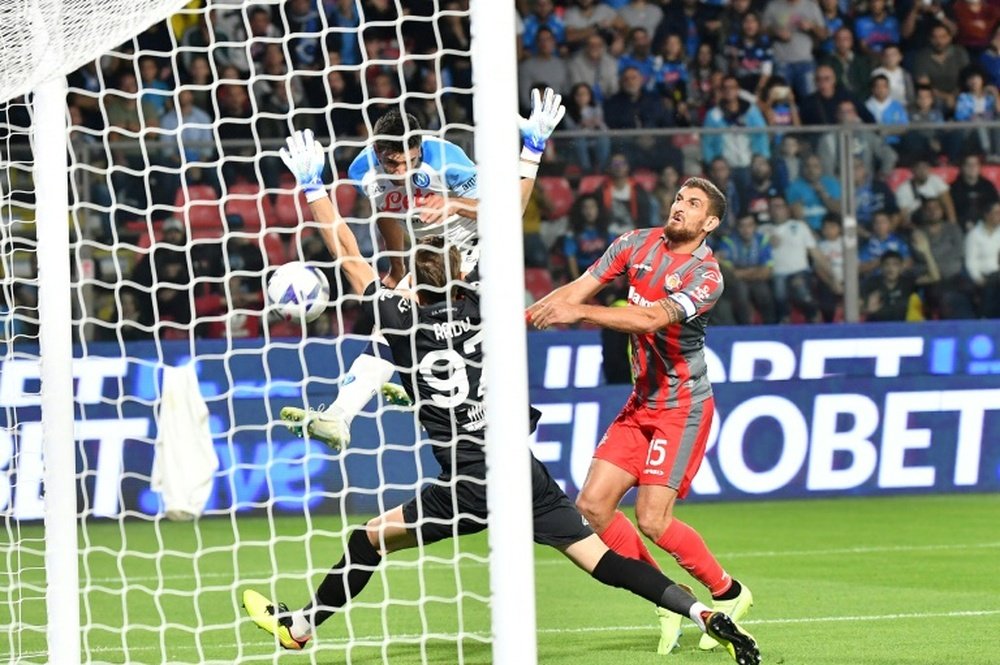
{"type": "Point", "coordinates": [658, 439]}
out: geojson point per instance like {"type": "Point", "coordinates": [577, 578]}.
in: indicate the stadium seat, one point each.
{"type": "Point", "coordinates": [646, 179]}
{"type": "Point", "coordinates": [208, 305]}
{"type": "Point", "coordinates": [199, 204]}
{"type": "Point", "coordinates": [897, 178]}
{"type": "Point", "coordinates": [246, 200]}
{"type": "Point", "coordinates": [286, 213]}
{"type": "Point", "coordinates": [347, 195]}
{"type": "Point", "coordinates": [559, 194]}
{"type": "Point", "coordinates": [947, 173]}
{"type": "Point", "coordinates": [992, 173]}
{"type": "Point", "coordinates": [538, 282]}
{"type": "Point", "coordinates": [591, 183]}
{"type": "Point", "coordinates": [275, 249]}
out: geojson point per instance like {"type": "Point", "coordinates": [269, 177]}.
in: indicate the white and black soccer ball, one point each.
{"type": "Point", "coordinates": [298, 291]}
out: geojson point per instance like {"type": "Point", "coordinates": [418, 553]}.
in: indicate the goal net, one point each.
{"type": "Point", "coordinates": [189, 487]}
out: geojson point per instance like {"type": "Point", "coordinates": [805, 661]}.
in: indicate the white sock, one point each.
{"type": "Point", "coordinates": [301, 626]}
{"type": "Point", "coordinates": [695, 614]}
{"type": "Point", "coordinates": [360, 384]}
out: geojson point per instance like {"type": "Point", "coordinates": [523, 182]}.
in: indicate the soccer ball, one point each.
{"type": "Point", "coordinates": [298, 291]}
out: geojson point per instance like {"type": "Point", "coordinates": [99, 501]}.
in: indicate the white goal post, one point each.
{"type": "Point", "coordinates": [112, 396]}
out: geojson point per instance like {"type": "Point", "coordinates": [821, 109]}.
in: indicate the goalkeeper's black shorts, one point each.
{"type": "Point", "coordinates": [454, 506]}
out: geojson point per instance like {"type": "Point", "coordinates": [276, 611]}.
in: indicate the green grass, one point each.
{"type": "Point", "coordinates": [886, 581]}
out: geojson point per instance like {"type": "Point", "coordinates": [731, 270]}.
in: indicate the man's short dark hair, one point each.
{"type": "Point", "coordinates": [391, 133]}
{"type": "Point", "coordinates": [716, 199]}
{"type": "Point", "coordinates": [432, 273]}
{"type": "Point", "coordinates": [832, 218]}
{"type": "Point", "coordinates": [890, 254]}
{"type": "Point", "coordinates": [878, 77]}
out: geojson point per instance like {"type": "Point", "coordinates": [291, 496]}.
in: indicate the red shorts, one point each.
{"type": "Point", "coordinates": [659, 446]}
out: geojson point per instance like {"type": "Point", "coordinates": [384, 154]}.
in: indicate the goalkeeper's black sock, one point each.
{"type": "Point", "coordinates": [643, 580]}
{"type": "Point", "coordinates": [346, 579]}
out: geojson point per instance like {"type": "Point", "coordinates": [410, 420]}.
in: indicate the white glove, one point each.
{"type": "Point", "coordinates": [545, 116]}
{"type": "Point", "coordinates": [305, 158]}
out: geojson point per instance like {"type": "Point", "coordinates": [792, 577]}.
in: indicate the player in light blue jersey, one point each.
{"type": "Point", "coordinates": [419, 186]}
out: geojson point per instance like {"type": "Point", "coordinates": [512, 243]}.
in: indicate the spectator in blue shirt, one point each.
{"type": "Point", "coordinates": [639, 57]}
{"type": "Point", "coordinates": [696, 22]}
{"type": "Point", "coordinates": [749, 55]}
{"type": "Point", "coordinates": [990, 60]}
{"type": "Point", "coordinates": [737, 149]}
{"type": "Point", "coordinates": [543, 15]}
{"type": "Point", "coordinates": [818, 194]}
{"type": "Point", "coordinates": [671, 76]}
{"type": "Point", "coordinates": [876, 29]}
{"type": "Point", "coordinates": [885, 109]}
{"type": "Point", "coordinates": [588, 238]}
{"type": "Point", "coordinates": [978, 103]}
{"type": "Point", "coordinates": [882, 240]}
{"type": "Point", "coordinates": [745, 257]}
{"type": "Point", "coordinates": [835, 18]}
{"type": "Point", "coordinates": [871, 196]}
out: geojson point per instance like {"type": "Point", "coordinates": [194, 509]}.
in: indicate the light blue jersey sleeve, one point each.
{"type": "Point", "coordinates": [362, 164]}
{"type": "Point", "coordinates": [455, 167]}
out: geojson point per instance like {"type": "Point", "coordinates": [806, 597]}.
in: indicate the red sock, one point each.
{"type": "Point", "coordinates": [622, 536]}
{"type": "Point", "coordinates": [689, 548]}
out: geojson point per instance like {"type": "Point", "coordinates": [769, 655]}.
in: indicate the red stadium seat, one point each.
{"type": "Point", "coordinates": [992, 173]}
{"type": "Point", "coordinates": [591, 183]}
{"type": "Point", "coordinates": [347, 195]}
{"type": "Point", "coordinates": [199, 205]}
{"type": "Point", "coordinates": [646, 179]}
{"type": "Point", "coordinates": [897, 178]}
{"type": "Point", "coordinates": [246, 200]}
{"type": "Point", "coordinates": [559, 194]}
{"type": "Point", "coordinates": [275, 249]}
{"type": "Point", "coordinates": [208, 305]}
{"type": "Point", "coordinates": [538, 282]}
{"type": "Point", "coordinates": [287, 214]}
{"type": "Point", "coordinates": [947, 173]}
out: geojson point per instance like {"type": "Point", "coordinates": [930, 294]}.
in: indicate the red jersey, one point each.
{"type": "Point", "coordinates": [668, 364]}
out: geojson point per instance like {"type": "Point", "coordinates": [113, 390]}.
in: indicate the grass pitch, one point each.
{"type": "Point", "coordinates": [904, 580]}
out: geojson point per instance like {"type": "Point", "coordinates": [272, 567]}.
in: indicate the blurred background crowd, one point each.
{"type": "Point", "coordinates": [174, 138]}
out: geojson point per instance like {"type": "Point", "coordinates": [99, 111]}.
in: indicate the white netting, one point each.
{"type": "Point", "coordinates": [43, 38]}
{"type": "Point", "coordinates": [177, 219]}
{"type": "Point", "coordinates": [22, 583]}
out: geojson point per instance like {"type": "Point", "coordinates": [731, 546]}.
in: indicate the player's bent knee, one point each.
{"type": "Point", "coordinates": [652, 524]}
{"type": "Point", "coordinates": [597, 513]}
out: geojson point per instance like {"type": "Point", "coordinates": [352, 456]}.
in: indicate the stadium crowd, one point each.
{"type": "Point", "coordinates": [180, 131]}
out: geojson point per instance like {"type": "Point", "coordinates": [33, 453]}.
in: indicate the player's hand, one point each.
{"type": "Point", "coordinates": [546, 113]}
{"type": "Point", "coordinates": [546, 313]}
{"type": "Point", "coordinates": [305, 158]}
{"type": "Point", "coordinates": [432, 209]}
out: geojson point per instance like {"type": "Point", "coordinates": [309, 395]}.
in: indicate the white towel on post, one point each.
{"type": "Point", "coordinates": [185, 462]}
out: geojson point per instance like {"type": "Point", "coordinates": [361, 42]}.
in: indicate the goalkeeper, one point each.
{"type": "Point", "coordinates": [434, 332]}
{"type": "Point", "coordinates": [425, 186]}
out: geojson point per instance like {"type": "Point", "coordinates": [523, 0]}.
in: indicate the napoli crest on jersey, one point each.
{"type": "Point", "coordinates": [421, 179]}
{"type": "Point", "coordinates": [673, 281]}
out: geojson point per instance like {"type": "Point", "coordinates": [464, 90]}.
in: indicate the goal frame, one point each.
{"type": "Point", "coordinates": [507, 449]}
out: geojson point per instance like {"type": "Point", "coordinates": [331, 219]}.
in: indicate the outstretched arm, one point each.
{"type": "Point", "coordinates": [546, 113]}
{"type": "Point", "coordinates": [580, 290]}
{"type": "Point", "coordinates": [305, 158]}
{"type": "Point", "coordinates": [630, 319]}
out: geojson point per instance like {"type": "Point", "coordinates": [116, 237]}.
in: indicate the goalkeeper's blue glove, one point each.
{"type": "Point", "coordinates": [304, 157]}
{"type": "Point", "coordinates": [546, 112]}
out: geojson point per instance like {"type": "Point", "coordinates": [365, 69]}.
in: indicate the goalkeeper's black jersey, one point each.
{"type": "Point", "coordinates": [438, 352]}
